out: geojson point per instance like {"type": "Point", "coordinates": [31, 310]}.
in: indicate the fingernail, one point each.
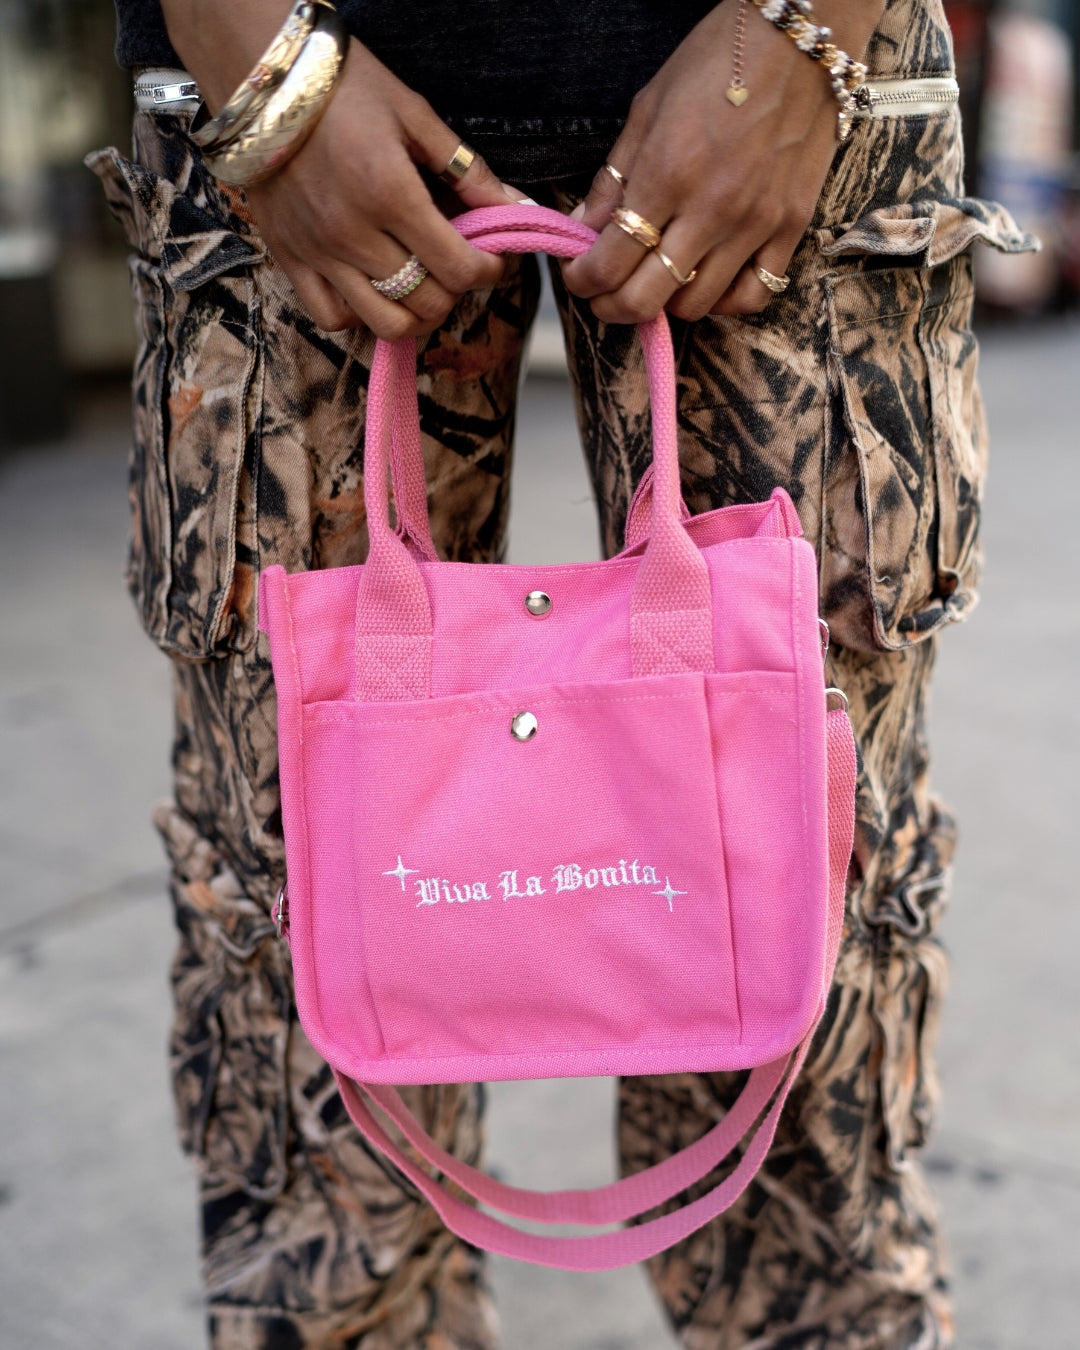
{"type": "Point", "coordinates": [515, 195]}
{"type": "Point", "coordinates": [578, 213]}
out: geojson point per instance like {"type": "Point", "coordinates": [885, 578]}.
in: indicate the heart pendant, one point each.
{"type": "Point", "coordinates": [737, 94]}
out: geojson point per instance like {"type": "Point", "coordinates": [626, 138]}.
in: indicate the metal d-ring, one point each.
{"type": "Point", "coordinates": [280, 911]}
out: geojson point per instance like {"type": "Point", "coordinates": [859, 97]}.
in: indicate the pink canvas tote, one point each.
{"type": "Point", "coordinates": [554, 821]}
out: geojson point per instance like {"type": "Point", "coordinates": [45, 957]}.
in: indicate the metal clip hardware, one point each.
{"type": "Point", "coordinates": [833, 692]}
{"type": "Point", "coordinates": [280, 912]}
{"type": "Point", "coordinates": [823, 629]}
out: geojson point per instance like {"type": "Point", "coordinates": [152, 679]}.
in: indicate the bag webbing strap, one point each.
{"type": "Point", "coordinates": [603, 1251]}
{"type": "Point", "coordinates": [633, 1195]}
{"type": "Point", "coordinates": [605, 1204]}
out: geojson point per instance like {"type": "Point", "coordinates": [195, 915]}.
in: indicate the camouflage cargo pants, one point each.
{"type": "Point", "coordinates": [855, 390]}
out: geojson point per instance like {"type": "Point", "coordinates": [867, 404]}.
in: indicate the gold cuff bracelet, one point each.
{"type": "Point", "coordinates": [292, 112]}
{"type": "Point", "coordinates": [266, 76]}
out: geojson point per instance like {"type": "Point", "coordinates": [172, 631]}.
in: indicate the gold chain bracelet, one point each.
{"type": "Point", "coordinates": [795, 18]}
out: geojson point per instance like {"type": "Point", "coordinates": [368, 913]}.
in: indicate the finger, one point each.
{"type": "Point", "coordinates": [610, 262]}
{"type": "Point", "coordinates": [478, 186]}
{"type": "Point", "coordinates": [390, 319]}
{"type": "Point", "coordinates": [717, 273]}
{"type": "Point", "coordinates": [605, 193]}
{"type": "Point", "coordinates": [748, 293]}
{"type": "Point", "coordinates": [429, 303]}
{"type": "Point", "coordinates": [420, 225]}
{"type": "Point", "coordinates": [410, 216]}
{"type": "Point", "coordinates": [343, 297]}
{"type": "Point", "coordinates": [323, 302]}
{"type": "Point", "coordinates": [652, 285]}
{"type": "Point", "coordinates": [422, 229]}
{"type": "Point", "coordinates": [613, 257]}
{"type": "Point", "coordinates": [433, 144]}
{"type": "Point", "coordinates": [603, 197]}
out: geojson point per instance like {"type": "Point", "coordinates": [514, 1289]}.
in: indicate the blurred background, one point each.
{"type": "Point", "coordinates": [97, 1214]}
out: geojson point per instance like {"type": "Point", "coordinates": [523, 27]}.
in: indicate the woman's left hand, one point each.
{"type": "Point", "coordinates": [731, 188]}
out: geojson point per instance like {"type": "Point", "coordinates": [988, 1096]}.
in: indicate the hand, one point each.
{"type": "Point", "coordinates": [351, 205]}
{"type": "Point", "coordinates": [731, 188]}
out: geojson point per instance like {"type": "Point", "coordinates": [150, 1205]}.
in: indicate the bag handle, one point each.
{"type": "Point", "coordinates": [407, 460]}
{"type": "Point", "coordinates": [634, 1195]}
{"type": "Point", "coordinates": [671, 603]}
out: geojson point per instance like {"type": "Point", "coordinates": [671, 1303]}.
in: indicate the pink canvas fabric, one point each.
{"type": "Point", "coordinates": [653, 882]}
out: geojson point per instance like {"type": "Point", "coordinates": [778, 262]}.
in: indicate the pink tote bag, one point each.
{"type": "Point", "coordinates": [559, 821]}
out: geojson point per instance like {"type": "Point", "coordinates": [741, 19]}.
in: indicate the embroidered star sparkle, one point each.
{"type": "Point", "coordinates": [401, 872]}
{"type": "Point", "coordinates": [669, 893]}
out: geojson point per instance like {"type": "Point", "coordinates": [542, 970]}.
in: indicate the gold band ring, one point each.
{"type": "Point", "coordinates": [778, 285]}
{"type": "Point", "coordinates": [620, 178]}
{"type": "Point", "coordinates": [637, 227]}
{"type": "Point", "coordinates": [404, 281]}
{"type": "Point", "coordinates": [460, 163]}
{"type": "Point", "coordinates": [680, 280]}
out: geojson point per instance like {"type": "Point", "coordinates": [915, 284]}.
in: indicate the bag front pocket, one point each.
{"type": "Point", "coordinates": [515, 896]}
{"type": "Point", "coordinates": [907, 441]}
{"type": "Point", "coordinates": [193, 559]}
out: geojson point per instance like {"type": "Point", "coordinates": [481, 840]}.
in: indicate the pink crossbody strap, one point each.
{"type": "Point", "coordinates": [671, 605]}
{"type": "Point", "coordinates": [634, 1195]}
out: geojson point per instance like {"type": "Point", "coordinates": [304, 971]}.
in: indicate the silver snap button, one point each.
{"type": "Point", "coordinates": [523, 726]}
{"type": "Point", "coordinates": [538, 603]}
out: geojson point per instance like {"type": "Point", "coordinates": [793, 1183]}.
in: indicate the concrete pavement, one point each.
{"type": "Point", "coordinates": [97, 1222]}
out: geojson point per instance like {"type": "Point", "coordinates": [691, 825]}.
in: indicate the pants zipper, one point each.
{"type": "Point", "coordinates": [906, 98]}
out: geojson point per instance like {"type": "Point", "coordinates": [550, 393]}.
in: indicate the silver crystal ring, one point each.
{"type": "Point", "coordinates": [404, 281]}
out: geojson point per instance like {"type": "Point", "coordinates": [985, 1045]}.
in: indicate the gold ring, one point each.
{"type": "Point", "coordinates": [637, 227]}
{"type": "Point", "coordinates": [620, 178]}
{"type": "Point", "coordinates": [460, 163]}
{"type": "Point", "coordinates": [404, 281]}
{"type": "Point", "coordinates": [778, 285]}
{"type": "Point", "coordinates": [679, 278]}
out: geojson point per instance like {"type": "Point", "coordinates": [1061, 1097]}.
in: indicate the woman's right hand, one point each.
{"type": "Point", "coordinates": [351, 206]}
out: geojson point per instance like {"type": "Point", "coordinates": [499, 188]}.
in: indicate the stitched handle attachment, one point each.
{"type": "Point", "coordinates": [671, 605]}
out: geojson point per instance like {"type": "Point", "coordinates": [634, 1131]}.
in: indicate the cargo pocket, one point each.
{"type": "Point", "coordinates": [909, 988]}
{"type": "Point", "coordinates": [196, 397]}
{"type": "Point", "coordinates": [909, 985]}
{"type": "Point", "coordinates": [229, 1036]}
{"type": "Point", "coordinates": [906, 447]}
